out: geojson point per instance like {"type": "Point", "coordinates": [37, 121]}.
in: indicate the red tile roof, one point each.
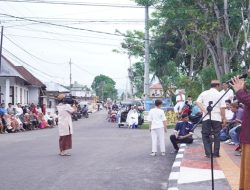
{"type": "Point", "coordinates": [29, 77]}
{"type": "Point", "coordinates": [156, 86]}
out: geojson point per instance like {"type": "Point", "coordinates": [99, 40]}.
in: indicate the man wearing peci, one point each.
{"type": "Point", "coordinates": [217, 116]}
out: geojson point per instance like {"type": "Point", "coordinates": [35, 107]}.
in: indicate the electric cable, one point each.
{"type": "Point", "coordinates": [34, 56]}
{"type": "Point", "coordinates": [65, 26]}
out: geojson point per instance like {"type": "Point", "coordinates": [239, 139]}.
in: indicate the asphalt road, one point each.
{"type": "Point", "coordinates": [104, 157]}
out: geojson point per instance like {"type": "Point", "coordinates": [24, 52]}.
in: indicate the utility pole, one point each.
{"type": "Point", "coordinates": [126, 91]}
{"type": "Point", "coordinates": [131, 75]}
{"type": "Point", "coordinates": [1, 48]}
{"type": "Point", "coordinates": [102, 84]}
{"type": "Point", "coordinates": [70, 75]}
{"type": "Point", "coordinates": [146, 63]}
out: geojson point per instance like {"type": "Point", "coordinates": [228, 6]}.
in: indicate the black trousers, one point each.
{"type": "Point", "coordinates": [176, 141]}
{"type": "Point", "coordinates": [211, 128]}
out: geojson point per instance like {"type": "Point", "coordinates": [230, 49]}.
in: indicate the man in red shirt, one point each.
{"type": "Point", "coordinates": [244, 96]}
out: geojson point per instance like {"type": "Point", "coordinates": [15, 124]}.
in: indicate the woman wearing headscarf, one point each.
{"type": "Point", "coordinates": [65, 125]}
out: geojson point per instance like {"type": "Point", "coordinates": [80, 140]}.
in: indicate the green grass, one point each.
{"type": "Point", "coordinates": [146, 126]}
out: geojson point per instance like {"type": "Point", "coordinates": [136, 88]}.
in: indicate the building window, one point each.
{"type": "Point", "coordinates": [11, 95]}
{"type": "Point", "coordinates": [27, 96]}
{"type": "Point", "coordinates": [21, 96]}
{"type": "Point", "coordinates": [24, 96]}
{"type": "Point", "coordinates": [50, 104]}
{"type": "Point", "coordinates": [16, 96]}
{"type": "Point", "coordinates": [0, 95]}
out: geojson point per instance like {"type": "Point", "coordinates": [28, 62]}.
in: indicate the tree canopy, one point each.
{"type": "Point", "coordinates": [194, 41]}
{"type": "Point", "coordinates": [104, 87]}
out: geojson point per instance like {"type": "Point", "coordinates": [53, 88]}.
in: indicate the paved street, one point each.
{"type": "Point", "coordinates": [103, 157]}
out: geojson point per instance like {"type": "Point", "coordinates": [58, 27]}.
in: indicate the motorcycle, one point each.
{"type": "Point", "coordinates": [74, 116]}
{"type": "Point", "coordinates": [85, 114]}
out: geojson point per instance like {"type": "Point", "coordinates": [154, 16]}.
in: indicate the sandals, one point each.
{"type": "Point", "coordinates": [64, 154]}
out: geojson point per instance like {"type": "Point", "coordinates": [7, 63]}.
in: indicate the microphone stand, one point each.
{"type": "Point", "coordinates": [209, 111]}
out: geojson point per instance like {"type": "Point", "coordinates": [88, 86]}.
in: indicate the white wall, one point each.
{"type": "Point", "coordinates": [3, 88]}
{"type": "Point", "coordinates": [18, 89]}
{"type": "Point", "coordinates": [81, 93]}
{"type": "Point", "coordinates": [156, 92]}
{"type": "Point", "coordinates": [33, 95]}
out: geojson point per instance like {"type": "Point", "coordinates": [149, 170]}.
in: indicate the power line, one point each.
{"type": "Point", "coordinates": [65, 26]}
{"type": "Point", "coordinates": [43, 60]}
{"type": "Point", "coordinates": [59, 25]}
{"type": "Point", "coordinates": [73, 41]}
{"type": "Point", "coordinates": [46, 74]}
{"type": "Point", "coordinates": [71, 35]}
{"type": "Point", "coordinates": [83, 69]}
{"type": "Point", "coordinates": [34, 56]}
{"type": "Point", "coordinates": [75, 20]}
{"type": "Point", "coordinates": [76, 3]}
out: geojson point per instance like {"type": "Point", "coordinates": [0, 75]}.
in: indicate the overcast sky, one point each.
{"type": "Point", "coordinates": [91, 53]}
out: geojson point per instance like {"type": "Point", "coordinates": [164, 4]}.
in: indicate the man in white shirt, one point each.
{"type": "Point", "coordinates": [217, 116]}
{"type": "Point", "coordinates": [158, 127]}
{"type": "Point", "coordinates": [229, 95]}
{"type": "Point", "coordinates": [180, 101]}
{"type": "Point", "coordinates": [132, 118]}
{"type": "Point", "coordinates": [19, 110]}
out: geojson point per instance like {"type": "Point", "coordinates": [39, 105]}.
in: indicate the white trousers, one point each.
{"type": "Point", "coordinates": [158, 134]}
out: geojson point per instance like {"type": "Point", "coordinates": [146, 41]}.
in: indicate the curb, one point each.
{"type": "Point", "coordinates": [175, 171]}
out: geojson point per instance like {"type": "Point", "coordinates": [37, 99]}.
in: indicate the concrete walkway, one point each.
{"type": "Point", "coordinates": [191, 170]}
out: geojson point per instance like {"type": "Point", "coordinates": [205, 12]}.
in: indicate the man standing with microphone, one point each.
{"type": "Point", "coordinates": [243, 95]}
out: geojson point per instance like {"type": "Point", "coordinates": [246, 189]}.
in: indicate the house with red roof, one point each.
{"type": "Point", "coordinates": [156, 90]}
{"type": "Point", "coordinates": [18, 85]}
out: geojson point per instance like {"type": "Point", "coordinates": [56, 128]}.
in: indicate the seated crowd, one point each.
{"type": "Point", "coordinates": [21, 118]}
{"type": "Point", "coordinates": [229, 133]}
{"type": "Point", "coordinates": [231, 127]}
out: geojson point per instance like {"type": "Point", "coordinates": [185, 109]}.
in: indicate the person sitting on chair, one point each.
{"type": "Point", "coordinates": [132, 118]}
{"type": "Point", "coordinates": [183, 132]}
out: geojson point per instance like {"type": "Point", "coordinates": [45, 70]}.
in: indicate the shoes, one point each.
{"type": "Point", "coordinates": [238, 148]}
{"type": "Point", "coordinates": [174, 152]}
{"type": "Point", "coordinates": [163, 153]}
{"type": "Point", "coordinates": [207, 156]}
{"type": "Point", "coordinates": [153, 154]}
{"type": "Point", "coordinates": [216, 156]}
{"type": "Point", "coordinates": [231, 143]}
{"type": "Point", "coordinates": [65, 154]}
{"type": "Point", "coordinates": [227, 141]}
{"type": "Point", "coordinates": [238, 153]}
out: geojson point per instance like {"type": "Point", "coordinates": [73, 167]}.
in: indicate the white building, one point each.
{"type": "Point", "coordinates": [18, 85]}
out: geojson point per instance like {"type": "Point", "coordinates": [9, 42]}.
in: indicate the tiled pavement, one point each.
{"type": "Point", "coordinates": [192, 170]}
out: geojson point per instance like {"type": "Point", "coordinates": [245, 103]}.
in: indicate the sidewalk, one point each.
{"type": "Point", "coordinates": [191, 170]}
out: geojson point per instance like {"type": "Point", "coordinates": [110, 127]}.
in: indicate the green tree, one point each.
{"type": "Point", "coordinates": [104, 87]}
{"type": "Point", "coordinates": [219, 25]}
{"type": "Point", "coordinates": [163, 58]}
{"type": "Point", "coordinates": [146, 2]}
{"type": "Point", "coordinates": [192, 87]}
{"type": "Point", "coordinates": [133, 45]}
{"type": "Point", "coordinates": [138, 73]}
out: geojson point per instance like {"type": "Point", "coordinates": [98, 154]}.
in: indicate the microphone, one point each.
{"type": "Point", "coordinates": [242, 76]}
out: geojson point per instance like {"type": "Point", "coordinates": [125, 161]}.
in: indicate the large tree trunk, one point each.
{"type": "Point", "coordinates": [191, 68]}
{"type": "Point", "coordinates": [205, 58]}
